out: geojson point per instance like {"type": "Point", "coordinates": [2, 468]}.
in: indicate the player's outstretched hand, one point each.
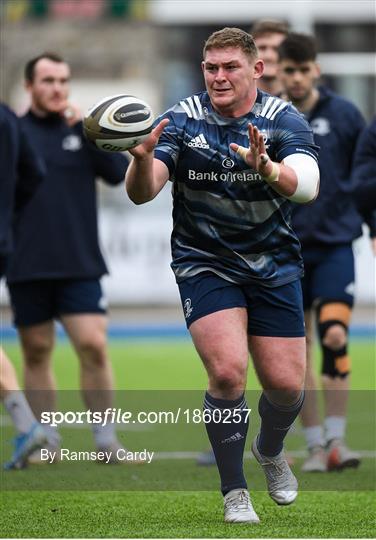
{"type": "Point", "coordinates": [145, 148]}
{"type": "Point", "coordinates": [255, 156]}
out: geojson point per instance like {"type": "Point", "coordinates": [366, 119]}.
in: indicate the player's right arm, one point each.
{"type": "Point", "coordinates": [146, 176]}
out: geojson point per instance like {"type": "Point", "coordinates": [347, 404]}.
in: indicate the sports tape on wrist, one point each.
{"type": "Point", "coordinates": [274, 175]}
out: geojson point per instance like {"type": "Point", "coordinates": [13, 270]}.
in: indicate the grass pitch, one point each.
{"type": "Point", "coordinates": [175, 498]}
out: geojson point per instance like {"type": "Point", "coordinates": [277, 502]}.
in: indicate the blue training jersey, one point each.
{"type": "Point", "coordinates": [332, 219]}
{"type": "Point", "coordinates": [226, 219]}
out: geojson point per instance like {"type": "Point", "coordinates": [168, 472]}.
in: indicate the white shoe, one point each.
{"type": "Point", "coordinates": [53, 447]}
{"type": "Point", "coordinates": [282, 484]}
{"type": "Point", "coordinates": [340, 457]}
{"type": "Point", "coordinates": [316, 461]}
{"type": "Point", "coordinates": [238, 507]}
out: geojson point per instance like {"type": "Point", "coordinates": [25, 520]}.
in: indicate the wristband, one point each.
{"type": "Point", "coordinates": [274, 175]}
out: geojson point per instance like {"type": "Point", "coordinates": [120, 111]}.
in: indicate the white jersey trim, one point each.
{"type": "Point", "coordinates": [272, 107]}
{"type": "Point", "coordinates": [192, 107]}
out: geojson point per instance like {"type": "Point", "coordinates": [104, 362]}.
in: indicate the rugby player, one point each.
{"type": "Point", "coordinates": [364, 176]}
{"type": "Point", "coordinates": [268, 34]}
{"type": "Point", "coordinates": [236, 158]}
{"type": "Point", "coordinates": [55, 269]}
{"type": "Point", "coordinates": [326, 230]}
{"type": "Point", "coordinates": [20, 175]}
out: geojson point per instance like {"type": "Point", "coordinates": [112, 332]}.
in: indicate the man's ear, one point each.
{"type": "Point", "coordinates": [318, 70]}
{"type": "Point", "coordinates": [258, 69]}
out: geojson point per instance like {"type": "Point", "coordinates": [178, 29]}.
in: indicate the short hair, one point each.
{"type": "Point", "coordinates": [30, 65]}
{"type": "Point", "coordinates": [298, 47]}
{"type": "Point", "coordinates": [269, 26]}
{"type": "Point", "coordinates": [231, 37]}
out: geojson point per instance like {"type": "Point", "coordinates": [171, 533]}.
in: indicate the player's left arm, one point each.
{"type": "Point", "coordinates": [297, 177]}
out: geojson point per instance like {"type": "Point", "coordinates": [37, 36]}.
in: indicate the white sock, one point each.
{"type": "Point", "coordinates": [53, 435]}
{"type": "Point", "coordinates": [335, 427]}
{"type": "Point", "coordinates": [104, 435]}
{"type": "Point", "coordinates": [314, 436]}
{"type": "Point", "coordinates": [19, 410]}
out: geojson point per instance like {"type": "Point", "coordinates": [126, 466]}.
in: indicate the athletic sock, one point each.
{"type": "Point", "coordinates": [314, 436]}
{"type": "Point", "coordinates": [53, 436]}
{"type": "Point", "coordinates": [276, 421]}
{"type": "Point", "coordinates": [104, 436]}
{"type": "Point", "coordinates": [335, 427]}
{"type": "Point", "coordinates": [228, 438]}
{"type": "Point", "coordinates": [19, 410]}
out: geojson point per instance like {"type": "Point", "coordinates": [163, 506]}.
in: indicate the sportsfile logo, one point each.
{"type": "Point", "coordinates": [198, 142]}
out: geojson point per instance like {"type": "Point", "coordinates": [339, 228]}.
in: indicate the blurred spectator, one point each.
{"type": "Point", "coordinates": [268, 35]}
{"type": "Point", "coordinates": [326, 230]}
{"type": "Point", "coordinates": [56, 265]}
{"type": "Point", "coordinates": [20, 175]}
{"type": "Point", "coordinates": [364, 174]}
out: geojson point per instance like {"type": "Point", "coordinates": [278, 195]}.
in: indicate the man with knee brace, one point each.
{"type": "Point", "coordinates": [326, 230]}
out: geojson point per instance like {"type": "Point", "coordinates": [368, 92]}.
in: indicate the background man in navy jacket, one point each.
{"type": "Point", "coordinates": [21, 172]}
{"type": "Point", "coordinates": [364, 175]}
{"type": "Point", "coordinates": [326, 230]}
{"type": "Point", "coordinates": [56, 264]}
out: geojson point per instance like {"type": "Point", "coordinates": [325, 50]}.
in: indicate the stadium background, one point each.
{"type": "Point", "coordinates": [117, 46]}
{"type": "Point", "coordinates": [120, 46]}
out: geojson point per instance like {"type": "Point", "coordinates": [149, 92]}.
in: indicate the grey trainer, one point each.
{"type": "Point", "coordinates": [282, 484]}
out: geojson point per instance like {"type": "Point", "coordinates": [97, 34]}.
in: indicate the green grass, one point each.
{"type": "Point", "coordinates": [174, 365]}
{"type": "Point", "coordinates": [182, 515]}
{"type": "Point", "coordinates": [177, 499]}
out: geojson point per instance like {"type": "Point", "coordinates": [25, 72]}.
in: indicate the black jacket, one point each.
{"type": "Point", "coordinates": [56, 236]}
{"type": "Point", "coordinates": [21, 171]}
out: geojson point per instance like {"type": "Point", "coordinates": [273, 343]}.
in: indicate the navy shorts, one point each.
{"type": "Point", "coordinates": [329, 275]}
{"type": "Point", "coordinates": [272, 311]}
{"type": "Point", "coordinates": [35, 302]}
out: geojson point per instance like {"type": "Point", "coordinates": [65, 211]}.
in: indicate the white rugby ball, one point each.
{"type": "Point", "coordinates": [118, 123]}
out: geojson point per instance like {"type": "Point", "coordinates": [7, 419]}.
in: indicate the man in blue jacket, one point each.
{"type": "Point", "coordinates": [364, 175]}
{"type": "Point", "coordinates": [20, 175]}
{"type": "Point", "coordinates": [56, 265]}
{"type": "Point", "coordinates": [326, 230]}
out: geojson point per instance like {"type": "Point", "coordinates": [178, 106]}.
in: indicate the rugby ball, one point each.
{"type": "Point", "coordinates": [118, 123]}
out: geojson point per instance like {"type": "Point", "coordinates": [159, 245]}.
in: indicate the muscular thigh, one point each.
{"type": "Point", "coordinates": [279, 362]}
{"type": "Point", "coordinates": [221, 338]}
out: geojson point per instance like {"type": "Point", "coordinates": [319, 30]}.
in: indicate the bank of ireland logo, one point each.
{"type": "Point", "coordinates": [227, 163]}
{"type": "Point", "coordinates": [187, 308]}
